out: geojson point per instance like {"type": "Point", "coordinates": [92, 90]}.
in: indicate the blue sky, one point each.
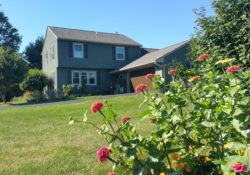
{"type": "Point", "coordinates": [153, 23]}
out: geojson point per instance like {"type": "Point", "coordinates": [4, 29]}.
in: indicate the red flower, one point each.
{"type": "Point", "coordinates": [232, 69]}
{"type": "Point", "coordinates": [239, 167]}
{"type": "Point", "coordinates": [172, 72]}
{"type": "Point", "coordinates": [96, 106]}
{"type": "Point", "coordinates": [139, 88]}
{"type": "Point", "coordinates": [102, 154]}
{"type": "Point", "coordinates": [125, 119]}
{"type": "Point", "coordinates": [112, 173]}
{"type": "Point", "coordinates": [203, 57]}
{"type": "Point", "coordinates": [149, 76]}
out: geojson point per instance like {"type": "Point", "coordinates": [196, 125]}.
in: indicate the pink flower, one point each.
{"type": "Point", "coordinates": [203, 57]}
{"type": "Point", "coordinates": [239, 167]}
{"type": "Point", "coordinates": [172, 72]}
{"type": "Point", "coordinates": [232, 69]}
{"type": "Point", "coordinates": [125, 118]}
{"type": "Point", "coordinates": [112, 173]}
{"type": "Point", "coordinates": [102, 154]}
{"type": "Point", "coordinates": [149, 76]}
{"type": "Point", "coordinates": [139, 88]}
{"type": "Point", "coordinates": [97, 106]}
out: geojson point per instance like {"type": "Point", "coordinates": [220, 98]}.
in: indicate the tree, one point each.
{"type": "Point", "coordinates": [35, 80]}
{"type": "Point", "coordinates": [227, 34]}
{"type": "Point", "coordinates": [9, 35]}
{"type": "Point", "coordinates": [12, 70]}
{"type": "Point", "coordinates": [32, 53]}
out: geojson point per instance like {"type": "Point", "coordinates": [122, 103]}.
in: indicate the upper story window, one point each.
{"type": "Point", "coordinates": [120, 53]}
{"type": "Point", "coordinates": [78, 50]}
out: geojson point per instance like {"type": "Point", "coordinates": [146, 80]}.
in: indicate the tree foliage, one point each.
{"type": "Point", "coordinates": [12, 70]}
{"type": "Point", "coordinates": [35, 80]}
{"type": "Point", "coordinates": [227, 33]}
{"type": "Point", "coordinates": [9, 36]}
{"type": "Point", "coordinates": [32, 53]}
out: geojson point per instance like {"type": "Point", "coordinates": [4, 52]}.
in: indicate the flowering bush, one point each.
{"type": "Point", "coordinates": [202, 125]}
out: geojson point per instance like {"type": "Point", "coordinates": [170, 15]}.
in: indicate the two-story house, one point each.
{"type": "Point", "coordinates": [100, 61]}
{"type": "Point", "coordinates": [72, 56]}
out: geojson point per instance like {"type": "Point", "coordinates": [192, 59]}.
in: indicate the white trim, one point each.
{"type": "Point", "coordinates": [79, 44]}
{"type": "Point", "coordinates": [80, 77]}
{"type": "Point", "coordinates": [120, 59]}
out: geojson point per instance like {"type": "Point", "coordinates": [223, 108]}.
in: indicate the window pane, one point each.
{"type": "Point", "coordinates": [76, 78]}
{"type": "Point", "coordinates": [91, 80]}
{"type": "Point", "coordinates": [84, 78]}
{"type": "Point", "coordinates": [120, 53]}
{"type": "Point", "coordinates": [78, 51]}
{"type": "Point", "coordinates": [120, 56]}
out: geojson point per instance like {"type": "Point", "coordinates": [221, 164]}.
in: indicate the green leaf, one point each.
{"type": "Point", "coordinates": [247, 156]}
{"type": "Point", "coordinates": [234, 146]}
{"type": "Point", "coordinates": [85, 118]}
{"type": "Point", "coordinates": [208, 124]}
{"type": "Point", "coordinates": [145, 114]}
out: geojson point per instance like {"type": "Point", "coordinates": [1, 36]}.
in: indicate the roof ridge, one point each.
{"type": "Point", "coordinates": [85, 30]}
{"type": "Point", "coordinates": [182, 42]}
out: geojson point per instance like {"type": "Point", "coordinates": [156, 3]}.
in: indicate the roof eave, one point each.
{"type": "Point", "coordinates": [71, 39]}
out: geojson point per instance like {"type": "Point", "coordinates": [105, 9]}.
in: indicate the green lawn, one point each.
{"type": "Point", "coordinates": [39, 140]}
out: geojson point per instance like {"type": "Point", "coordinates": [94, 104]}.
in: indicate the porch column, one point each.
{"type": "Point", "coordinates": [128, 81]}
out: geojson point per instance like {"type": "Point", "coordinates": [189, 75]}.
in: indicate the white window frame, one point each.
{"type": "Point", "coordinates": [116, 52]}
{"type": "Point", "coordinates": [80, 77]}
{"type": "Point", "coordinates": [74, 54]}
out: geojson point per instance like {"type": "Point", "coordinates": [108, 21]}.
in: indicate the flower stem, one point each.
{"type": "Point", "coordinates": [107, 120]}
{"type": "Point", "coordinates": [169, 162]}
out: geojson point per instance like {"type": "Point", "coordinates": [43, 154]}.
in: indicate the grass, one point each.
{"type": "Point", "coordinates": [22, 100]}
{"type": "Point", "coordinates": [39, 140]}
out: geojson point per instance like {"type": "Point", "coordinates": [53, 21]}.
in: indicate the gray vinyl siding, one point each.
{"type": "Point", "coordinates": [100, 56]}
{"type": "Point", "coordinates": [49, 66]}
{"type": "Point", "coordinates": [179, 55]}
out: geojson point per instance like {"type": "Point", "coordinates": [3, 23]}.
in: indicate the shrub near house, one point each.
{"type": "Point", "coordinates": [201, 129]}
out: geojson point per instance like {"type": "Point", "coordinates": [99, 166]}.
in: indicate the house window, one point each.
{"type": "Point", "coordinates": [92, 78]}
{"type": "Point", "coordinates": [76, 78]}
{"type": "Point", "coordinates": [84, 78]}
{"type": "Point", "coordinates": [78, 50]}
{"type": "Point", "coordinates": [120, 53]}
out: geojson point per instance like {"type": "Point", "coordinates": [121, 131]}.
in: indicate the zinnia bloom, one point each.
{"type": "Point", "coordinates": [176, 156]}
{"type": "Point", "coordinates": [181, 165]}
{"type": "Point", "coordinates": [125, 118]}
{"type": "Point", "coordinates": [197, 77]}
{"type": "Point", "coordinates": [203, 57]}
{"type": "Point", "coordinates": [172, 72]}
{"type": "Point", "coordinates": [102, 154]}
{"type": "Point", "coordinates": [149, 76]}
{"type": "Point", "coordinates": [232, 69]}
{"type": "Point", "coordinates": [139, 88]}
{"type": "Point", "coordinates": [96, 106]}
{"type": "Point", "coordinates": [239, 167]}
{"type": "Point", "coordinates": [112, 173]}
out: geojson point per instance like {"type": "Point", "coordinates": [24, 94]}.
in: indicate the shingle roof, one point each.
{"type": "Point", "coordinates": [152, 57]}
{"type": "Point", "coordinates": [92, 36]}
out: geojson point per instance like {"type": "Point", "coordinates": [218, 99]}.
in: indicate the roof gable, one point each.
{"type": "Point", "coordinates": [153, 57]}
